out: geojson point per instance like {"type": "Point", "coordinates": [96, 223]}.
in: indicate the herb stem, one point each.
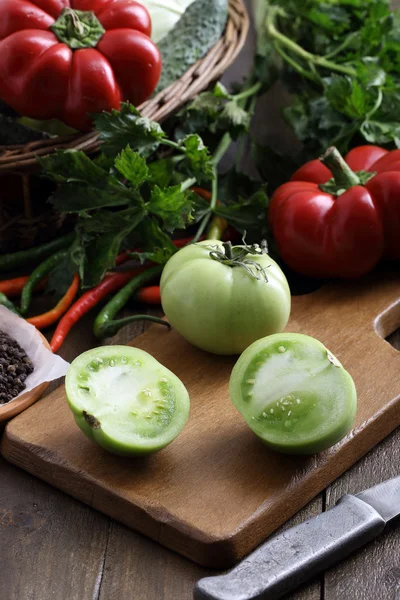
{"type": "Point", "coordinates": [171, 144]}
{"type": "Point", "coordinates": [185, 185]}
{"type": "Point", "coordinates": [251, 91]}
{"type": "Point", "coordinates": [376, 105]}
{"type": "Point", "coordinates": [320, 61]}
{"type": "Point", "coordinates": [295, 65]}
{"type": "Point", "coordinates": [202, 226]}
{"type": "Point", "coordinates": [221, 149]}
{"type": "Point", "coordinates": [342, 46]}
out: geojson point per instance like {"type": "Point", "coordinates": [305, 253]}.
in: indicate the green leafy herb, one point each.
{"type": "Point", "coordinates": [172, 205]}
{"type": "Point", "coordinates": [341, 62]}
{"type": "Point", "coordinates": [132, 166]}
{"type": "Point", "coordinates": [127, 127]}
{"type": "Point", "coordinates": [121, 194]}
{"type": "Point", "coordinates": [214, 111]}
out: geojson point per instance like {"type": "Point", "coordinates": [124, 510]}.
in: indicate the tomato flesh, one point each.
{"type": "Point", "coordinates": [293, 393]}
{"type": "Point", "coordinates": [125, 400]}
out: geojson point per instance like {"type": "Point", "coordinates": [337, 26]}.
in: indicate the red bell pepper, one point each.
{"type": "Point", "coordinates": [340, 226]}
{"type": "Point", "coordinates": [67, 59]}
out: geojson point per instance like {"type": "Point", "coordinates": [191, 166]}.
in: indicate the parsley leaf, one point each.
{"type": "Point", "coordinates": [198, 158]}
{"type": "Point", "coordinates": [155, 244]}
{"type": "Point", "coordinates": [73, 166]}
{"type": "Point", "coordinates": [171, 205]}
{"type": "Point", "coordinates": [118, 129]}
{"type": "Point", "coordinates": [99, 239]}
{"type": "Point", "coordinates": [132, 166]}
{"type": "Point", "coordinates": [214, 111]}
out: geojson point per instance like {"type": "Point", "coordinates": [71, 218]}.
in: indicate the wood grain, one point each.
{"type": "Point", "coordinates": [151, 572]}
{"type": "Point", "coordinates": [217, 492]}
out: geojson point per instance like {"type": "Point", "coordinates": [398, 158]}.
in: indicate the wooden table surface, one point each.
{"type": "Point", "coordinates": [52, 547]}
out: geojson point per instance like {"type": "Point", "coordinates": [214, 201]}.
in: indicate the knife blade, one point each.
{"type": "Point", "coordinates": [281, 564]}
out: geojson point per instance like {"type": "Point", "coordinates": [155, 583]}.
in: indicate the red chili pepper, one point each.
{"type": "Point", "coordinates": [149, 295]}
{"type": "Point", "coordinates": [75, 61]}
{"type": "Point", "coordinates": [52, 316]}
{"type": "Point", "coordinates": [111, 283]}
{"type": "Point", "coordinates": [14, 287]}
{"type": "Point", "coordinates": [339, 227]}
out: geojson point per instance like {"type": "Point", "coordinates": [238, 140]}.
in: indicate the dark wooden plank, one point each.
{"type": "Point", "coordinates": [51, 545]}
{"type": "Point", "coordinates": [374, 572]}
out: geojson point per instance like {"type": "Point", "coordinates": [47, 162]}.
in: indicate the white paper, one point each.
{"type": "Point", "coordinates": [47, 366]}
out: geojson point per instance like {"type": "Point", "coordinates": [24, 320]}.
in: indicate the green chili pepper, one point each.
{"type": "Point", "coordinates": [37, 275]}
{"type": "Point", "coordinates": [4, 301]}
{"type": "Point", "coordinates": [105, 326]}
{"type": "Point", "coordinates": [18, 259]}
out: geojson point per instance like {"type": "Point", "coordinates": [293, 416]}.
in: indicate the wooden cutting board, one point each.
{"type": "Point", "coordinates": [216, 492]}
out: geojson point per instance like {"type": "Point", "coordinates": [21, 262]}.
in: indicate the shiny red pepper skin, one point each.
{"type": "Point", "coordinates": [43, 78]}
{"type": "Point", "coordinates": [322, 235]}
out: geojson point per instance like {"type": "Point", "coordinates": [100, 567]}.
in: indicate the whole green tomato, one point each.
{"type": "Point", "coordinates": [222, 298]}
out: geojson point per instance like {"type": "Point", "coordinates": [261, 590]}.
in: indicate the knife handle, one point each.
{"type": "Point", "coordinates": [290, 558]}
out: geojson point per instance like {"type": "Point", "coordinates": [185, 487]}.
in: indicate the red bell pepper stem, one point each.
{"type": "Point", "coordinates": [111, 283]}
{"type": "Point", "coordinates": [52, 316]}
{"type": "Point", "coordinates": [344, 177]}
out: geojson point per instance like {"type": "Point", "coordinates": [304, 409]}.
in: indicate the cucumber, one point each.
{"type": "Point", "coordinates": [197, 31]}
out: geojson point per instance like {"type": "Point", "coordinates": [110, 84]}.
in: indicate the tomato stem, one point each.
{"type": "Point", "coordinates": [228, 250]}
{"type": "Point", "coordinates": [238, 256]}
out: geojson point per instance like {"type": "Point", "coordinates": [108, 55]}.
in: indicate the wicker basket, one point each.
{"type": "Point", "coordinates": [25, 218]}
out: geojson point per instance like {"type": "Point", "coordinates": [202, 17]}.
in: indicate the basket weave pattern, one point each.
{"type": "Point", "coordinates": [21, 225]}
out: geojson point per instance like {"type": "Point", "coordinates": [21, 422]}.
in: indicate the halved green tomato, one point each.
{"type": "Point", "coordinates": [293, 393]}
{"type": "Point", "coordinates": [125, 400]}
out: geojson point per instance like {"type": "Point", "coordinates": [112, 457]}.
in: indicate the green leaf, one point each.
{"type": "Point", "coordinates": [132, 166]}
{"type": "Point", "coordinates": [74, 198]}
{"type": "Point", "coordinates": [198, 158]}
{"type": "Point", "coordinates": [118, 129]}
{"type": "Point", "coordinates": [83, 184]}
{"type": "Point", "coordinates": [171, 205]}
{"type": "Point", "coordinates": [370, 73]}
{"type": "Point", "coordinates": [155, 244]}
{"type": "Point", "coordinates": [161, 171]}
{"type": "Point", "coordinates": [60, 278]}
{"type": "Point", "coordinates": [236, 120]}
{"type": "Point", "coordinates": [347, 96]}
{"type": "Point", "coordinates": [243, 203]}
{"type": "Point", "coordinates": [214, 112]}
{"type": "Point", "coordinates": [248, 215]}
{"type": "Point", "coordinates": [73, 166]}
{"type": "Point", "coordinates": [99, 239]}
{"type": "Point", "coordinates": [381, 133]}
{"type": "Point", "coordinates": [201, 207]}
{"type": "Point", "coordinates": [273, 167]}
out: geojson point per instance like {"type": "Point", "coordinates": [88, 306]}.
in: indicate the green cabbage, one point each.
{"type": "Point", "coordinates": [164, 15]}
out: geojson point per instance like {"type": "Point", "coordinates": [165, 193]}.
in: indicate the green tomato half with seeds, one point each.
{"type": "Point", "coordinates": [125, 400]}
{"type": "Point", "coordinates": [223, 298]}
{"type": "Point", "coordinates": [293, 393]}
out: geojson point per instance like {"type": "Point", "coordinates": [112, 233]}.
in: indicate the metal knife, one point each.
{"type": "Point", "coordinates": [280, 565]}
